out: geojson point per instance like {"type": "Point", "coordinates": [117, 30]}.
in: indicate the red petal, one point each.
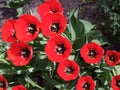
{"type": "Point", "coordinates": [50, 49]}
{"type": "Point", "coordinates": [113, 82]}
{"type": "Point", "coordinates": [21, 27]}
{"type": "Point", "coordinates": [53, 18]}
{"type": "Point", "coordinates": [113, 53]}
{"type": "Point", "coordinates": [84, 79]}
{"type": "Point", "coordinates": [14, 53]}
{"type": "Point", "coordinates": [92, 46]}
{"type": "Point", "coordinates": [19, 87]}
{"type": "Point", "coordinates": [8, 30]}
{"type": "Point", "coordinates": [2, 78]}
{"type": "Point", "coordinates": [61, 70]}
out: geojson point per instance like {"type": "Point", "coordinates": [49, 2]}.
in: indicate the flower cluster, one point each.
{"type": "Point", "coordinates": [58, 48]}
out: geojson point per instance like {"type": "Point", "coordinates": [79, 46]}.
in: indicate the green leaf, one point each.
{"type": "Point", "coordinates": [16, 3]}
{"type": "Point", "coordinates": [78, 43]}
{"type": "Point", "coordinates": [94, 34]}
{"type": "Point", "coordinates": [29, 80]}
{"type": "Point", "coordinates": [71, 57]}
{"type": "Point", "coordinates": [67, 33]}
{"type": "Point", "coordinates": [117, 69]}
{"type": "Point", "coordinates": [71, 85]}
{"type": "Point", "coordinates": [76, 28]}
{"type": "Point", "coordinates": [74, 12]}
{"type": "Point", "coordinates": [88, 26]}
{"type": "Point", "coordinates": [73, 34]}
{"type": "Point", "coordinates": [51, 81]}
{"type": "Point", "coordinates": [4, 61]}
{"type": "Point", "coordinates": [19, 11]}
{"type": "Point", "coordinates": [5, 71]}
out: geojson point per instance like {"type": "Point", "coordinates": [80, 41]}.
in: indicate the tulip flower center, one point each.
{"type": "Point", "coordinates": [55, 27]}
{"type": "Point", "coordinates": [53, 10]}
{"type": "Point", "coordinates": [14, 34]}
{"type": "Point", "coordinates": [2, 84]}
{"type": "Point", "coordinates": [69, 70]}
{"type": "Point", "coordinates": [92, 53]}
{"type": "Point", "coordinates": [112, 58]}
{"type": "Point", "coordinates": [25, 53]}
{"type": "Point", "coordinates": [118, 83]}
{"type": "Point", "coordinates": [86, 86]}
{"type": "Point", "coordinates": [60, 49]}
{"type": "Point", "coordinates": [32, 28]}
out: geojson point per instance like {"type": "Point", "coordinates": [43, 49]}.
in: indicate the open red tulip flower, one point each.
{"type": "Point", "coordinates": [19, 87]}
{"type": "Point", "coordinates": [8, 31]}
{"type": "Point", "coordinates": [85, 83]}
{"type": "Point", "coordinates": [53, 24]}
{"type": "Point", "coordinates": [92, 53]}
{"type": "Point", "coordinates": [50, 6]}
{"type": "Point", "coordinates": [115, 82]}
{"type": "Point", "coordinates": [68, 70]}
{"type": "Point", "coordinates": [112, 57]}
{"type": "Point", "coordinates": [3, 83]}
{"type": "Point", "coordinates": [27, 28]}
{"type": "Point", "coordinates": [20, 53]}
{"type": "Point", "coordinates": [58, 48]}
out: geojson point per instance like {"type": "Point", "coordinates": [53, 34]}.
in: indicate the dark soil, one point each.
{"type": "Point", "coordinates": [90, 11]}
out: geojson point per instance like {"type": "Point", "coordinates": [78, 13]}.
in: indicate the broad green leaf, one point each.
{"type": "Point", "coordinates": [78, 43]}
{"type": "Point", "coordinates": [88, 26]}
{"type": "Point", "coordinates": [74, 12]}
{"type": "Point", "coordinates": [117, 67]}
{"type": "Point", "coordinates": [19, 11]}
{"type": "Point", "coordinates": [94, 34]}
{"type": "Point", "coordinates": [76, 28]}
{"type": "Point", "coordinates": [73, 34]}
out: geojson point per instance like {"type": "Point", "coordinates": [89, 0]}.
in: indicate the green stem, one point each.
{"type": "Point", "coordinates": [77, 57]}
{"type": "Point", "coordinates": [29, 80]}
{"type": "Point", "coordinates": [4, 61]}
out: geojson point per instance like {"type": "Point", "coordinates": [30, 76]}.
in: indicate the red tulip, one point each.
{"type": "Point", "coordinates": [20, 53]}
{"type": "Point", "coordinates": [68, 70]}
{"type": "Point", "coordinates": [58, 48]}
{"type": "Point", "coordinates": [112, 57]}
{"type": "Point", "coordinates": [50, 6]}
{"type": "Point", "coordinates": [92, 53]}
{"type": "Point", "coordinates": [53, 24]}
{"type": "Point", "coordinates": [27, 28]}
{"type": "Point", "coordinates": [3, 83]}
{"type": "Point", "coordinates": [85, 83]}
{"type": "Point", "coordinates": [8, 31]}
{"type": "Point", "coordinates": [115, 82]}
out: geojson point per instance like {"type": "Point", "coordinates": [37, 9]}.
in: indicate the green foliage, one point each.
{"type": "Point", "coordinates": [40, 73]}
{"type": "Point", "coordinates": [112, 10]}
{"type": "Point", "coordinates": [17, 4]}
{"type": "Point", "coordinates": [82, 31]}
